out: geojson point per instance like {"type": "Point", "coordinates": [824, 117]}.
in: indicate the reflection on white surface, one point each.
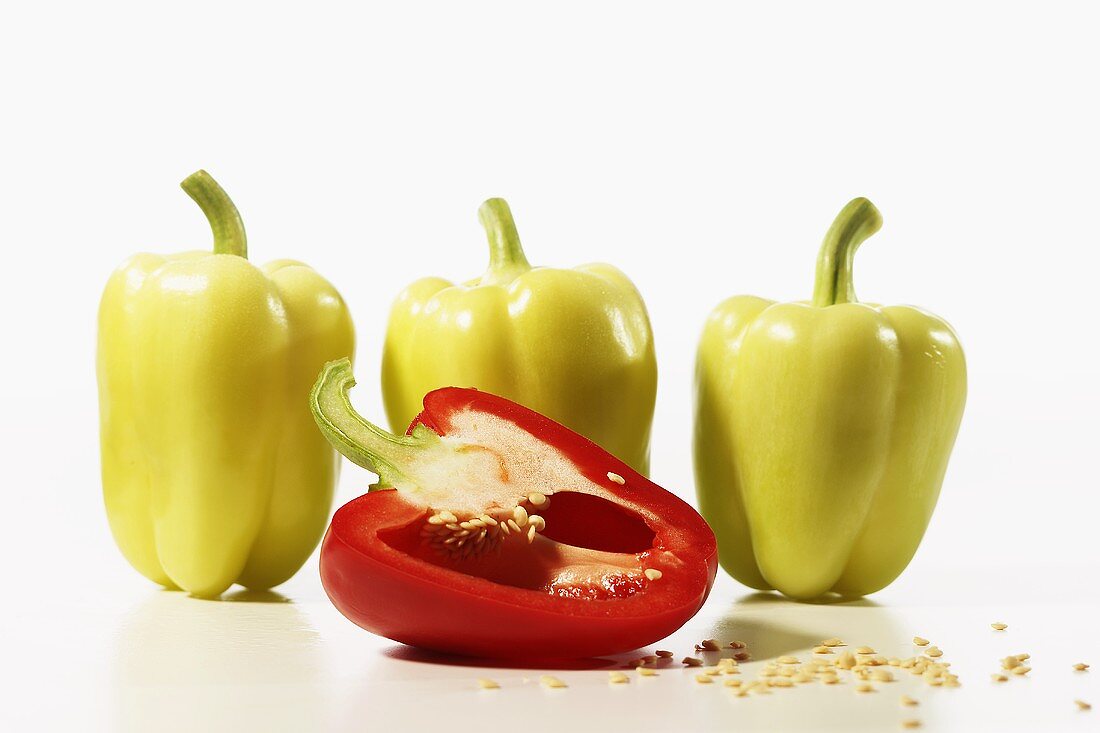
{"type": "Point", "coordinates": [248, 662]}
{"type": "Point", "coordinates": [671, 701]}
{"type": "Point", "coordinates": [396, 688]}
{"type": "Point", "coordinates": [772, 626]}
{"type": "Point", "coordinates": [119, 655]}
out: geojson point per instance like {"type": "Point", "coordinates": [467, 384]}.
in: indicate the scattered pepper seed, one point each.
{"type": "Point", "coordinates": [864, 650]}
{"type": "Point", "coordinates": [998, 626]}
{"type": "Point", "coordinates": [787, 660]}
{"type": "Point", "coordinates": [1010, 663]}
{"type": "Point", "coordinates": [655, 574]}
{"type": "Point", "coordinates": [998, 677]}
{"type": "Point", "coordinates": [920, 641]}
{"type": "Point", "coordinates": [910, 724]}
{"type": "Point", "coordinates": [615, 478]}
{"type": "Point", "coordinates": [847, 660]}
{"type": "Point", "coordinates": [646, 672]}
{"type": "Point", "coordinates": [833, 642]}
{"type": "Point", "coordinates": [1021, 670]}
{"type": "Point", "coordinates": [865, 687]}
{"type": "Point", "coordinates": [692, 662]}
{"type": "Point", "coordinates": [909, 702]}
{"type": "Point", "coordinates": [487, 684]}
{"type": "Point", "coordinates": [1081, 667]}
{"type": "Point", "coordinates": [732, 683]}
{"type": "Point", "coordinates": [1082, 705]}
{"type": "Point", "coordinates": [780, 682]}
{"type": "Point", "coordinates": [822, 650]}
{"type": "Point", "coordinates": [934, 651]}
{"type": "Point", "coordinates": [551, 681]}
{"type": "Point", "coordinates": [882, 675]}
{"type": "Point", "coordinates": [703, 679]}
{"type": "Point", "coordinates": [618, 678]}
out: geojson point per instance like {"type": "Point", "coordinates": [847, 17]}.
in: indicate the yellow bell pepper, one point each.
{"type": "Point", "coordinates": [574, 345]}
{"type": "Point", "coordinates": [823, 429]}
{"type": "Point", "coordinates": [213, 471]}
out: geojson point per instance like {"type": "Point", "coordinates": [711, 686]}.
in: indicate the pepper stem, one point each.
{"type": "Point", "coordinates": [225, 220]}
{"type": "Point", "coordinates": [360, 441]}
{"type": "Point", "coordinates": [856, 222]}
{"type": "Point", "coordinates": [506, 258]}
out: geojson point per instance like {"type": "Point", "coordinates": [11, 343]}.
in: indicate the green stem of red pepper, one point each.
{"type": "Point", "coordinates": [362, 442]}
{"type": "Point", "coordinates": [856, 222]}
{"type": "Point", "coordinates": [225, 220]}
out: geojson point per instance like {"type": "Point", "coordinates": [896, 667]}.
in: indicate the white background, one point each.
{"type": "Point", "coordinates": [702, 148]}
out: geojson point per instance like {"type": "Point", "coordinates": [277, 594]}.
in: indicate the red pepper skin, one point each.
{"type": "Point", "coordinates": [405, 598]}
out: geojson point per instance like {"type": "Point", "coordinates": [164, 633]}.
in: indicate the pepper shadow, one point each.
{"type": "Point", "coordinates": [772, 626]}
{"type": "Point", "coordinates": [247, 595]}
{"type": "Point", "coordinates": [405, 653]}
{"type": "Point", "coordinates": [829, 599]}
{"type": "Point", "coordinates": [241, 595]}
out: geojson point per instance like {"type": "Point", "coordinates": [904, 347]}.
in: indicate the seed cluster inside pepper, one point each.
{"type": "Point", "coordinates": [469, 536]}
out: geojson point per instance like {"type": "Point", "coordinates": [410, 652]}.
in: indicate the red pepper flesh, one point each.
{"type": "Point", "coordinates": [617, 567]}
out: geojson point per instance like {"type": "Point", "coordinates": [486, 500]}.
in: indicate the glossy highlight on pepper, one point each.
{"type": "Point", "coordinates": [575, 345]}
{"type": "Point", "coordinates": [823, 429]}
{"type": "Point", "coordinates": [213, 470]}
{"type": "Point", "coordinates": [496, 532]}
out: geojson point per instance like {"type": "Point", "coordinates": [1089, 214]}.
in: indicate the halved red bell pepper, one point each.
{"type": "Point", "coordinates": [504, 534]}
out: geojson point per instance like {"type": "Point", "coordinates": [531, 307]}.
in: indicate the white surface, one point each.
{"type": "Point", "coordinates": [119, 657]}
{"type": "Point", "coordinates": [703, 148]}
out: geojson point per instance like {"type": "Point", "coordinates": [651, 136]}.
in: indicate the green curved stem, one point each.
{"type": "Point", "coordinates": [225, 220]}
{"type": "Point", "coordinates": [856, 222]}
{"type": "Point", "coordinates": [506, 258]}
{"type": "Point", "coordinates": [360, 441]}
